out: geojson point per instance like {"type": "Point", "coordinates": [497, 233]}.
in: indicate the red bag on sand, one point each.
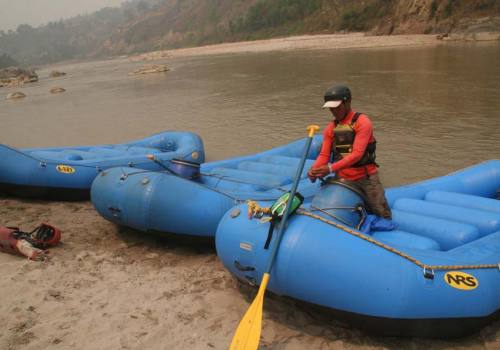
{"type": "Point", "coordinates": [29, 244]}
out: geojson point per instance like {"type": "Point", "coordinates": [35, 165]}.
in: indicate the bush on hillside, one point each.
{"type": "Point", "coordinates": [7, 61]}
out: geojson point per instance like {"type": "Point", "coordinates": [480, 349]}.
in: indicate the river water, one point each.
{"type": "Point", "coordinates": [435, 109]}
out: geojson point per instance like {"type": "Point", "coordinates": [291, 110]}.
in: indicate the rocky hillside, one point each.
{"type": "Point", "coordinates": [144, 25]}
{"type": "Point", "coordinates": [198, 22]}
{"type": "Point", "coordinates": [441, 16]}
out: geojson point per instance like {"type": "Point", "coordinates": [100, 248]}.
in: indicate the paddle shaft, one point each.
{"type": "Point", "coordinates": [247, 334]}
{"type": "Point", "coordinates": [281, 228]}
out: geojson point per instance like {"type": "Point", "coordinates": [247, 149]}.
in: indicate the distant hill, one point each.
{"type": "Point", "coordinates": [7, 61]}
{"type": "Point", "coordinates": [145, 25]}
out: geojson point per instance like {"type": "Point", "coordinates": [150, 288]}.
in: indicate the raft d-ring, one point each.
{"type": "Point", "coordinates": [250, 280]}
{"type": "Point", "coordinates": [43, 164]}
{"type": "Point", "coordinates": [428, 273]}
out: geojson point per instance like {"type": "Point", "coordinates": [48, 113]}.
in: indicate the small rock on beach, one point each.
{"type": "Point", "coordinates": [14, 76]}
{"type": "Point", "coordinates": [155, 68]}
{"type": "Point", "coordinates": [57, 90]}
{"type": "Point", "coordinates": [15, 95]}
{"type": "Point", "coordinates": [55, 74]}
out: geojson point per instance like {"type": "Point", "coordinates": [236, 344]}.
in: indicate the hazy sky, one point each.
{"type": "Point", "coordinates": [36, 12]}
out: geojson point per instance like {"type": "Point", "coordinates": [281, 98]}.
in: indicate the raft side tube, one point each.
{"type": "Point", "coordinates": [57, 171]}
{"type": "Point", "coordinates": [321, 264]}
{"type": "Point", "coordinates": [486, 221]}
{"type": "Point", "coordinates": [402, 239]}
{"type": "Point", "coordinates": [480, 180]}
{"type": "Point", "coordinates": [464, 200]}
{"type": "Point", "coordinates": [448, 234]}
{"type": "Point", "coordinates": [287, 155]}
{"type": "Point", "coordinates": [149, 201]}
{"type": "Point", "coordinates": [275, 169]}
{"type": "Point", "coordinates": [168, 213]}
{"type": "Point", "coordinates": [262, 180]}
{"type": "Point", "coordinates": [26, 176]}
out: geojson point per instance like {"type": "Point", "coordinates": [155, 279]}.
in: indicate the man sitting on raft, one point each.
{"type": "Point", "coordinates": [348, 150]}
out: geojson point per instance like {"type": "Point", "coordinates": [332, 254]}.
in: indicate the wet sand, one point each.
{"type": "Point", "coordinates": [108, 287]}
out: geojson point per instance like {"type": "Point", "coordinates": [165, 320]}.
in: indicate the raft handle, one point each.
{"type": "Point", "coordinates": [243, 268]}
{"type": "Point", "coordinates": [114, 211]}
{"type": "Point", "coordinates": [251, 281]}
{"type": "Point", "coordinates": [428, 273]}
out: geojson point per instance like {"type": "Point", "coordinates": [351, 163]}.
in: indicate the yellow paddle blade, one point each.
{"type": "Point", "coordinates": [247, 334]}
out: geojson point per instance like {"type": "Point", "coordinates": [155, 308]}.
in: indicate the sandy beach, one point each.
{"type": "Point", "coordinates": [109, 287]}
{"type": "Point", "coordinates": [316, 42]}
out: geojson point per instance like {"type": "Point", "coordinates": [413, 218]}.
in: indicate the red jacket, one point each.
{"type": "Point", "coordinates": [364, 135]}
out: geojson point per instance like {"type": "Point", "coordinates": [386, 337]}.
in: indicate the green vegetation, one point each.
{"type": "Point", "coordinates": [487, 5]}
{"type": "Point", "coordinates": [268, 14]}
{"type": "Point", "coordinates": [448, 9]}
{"type": "Point", "coordinates": [360, 17]}
{"type": "Point", "coordinates": [433, 9]}
{"type": "Point", "coordinates": [7, 61]}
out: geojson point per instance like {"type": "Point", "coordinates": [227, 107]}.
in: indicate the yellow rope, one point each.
{"type": "Point", "coordinates": [395, 251]}
{"type": "Point", "coordinates": [254, 209]}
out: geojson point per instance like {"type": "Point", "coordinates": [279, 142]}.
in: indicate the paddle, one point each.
{"type": "Point", "coordinates": [247, 334]}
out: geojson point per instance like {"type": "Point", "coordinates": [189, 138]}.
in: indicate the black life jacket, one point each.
{"type": "Point", "coordinates": [343, 142]}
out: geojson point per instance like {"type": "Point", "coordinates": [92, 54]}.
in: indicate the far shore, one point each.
{"type": "Point", "coordinates": [317, 42]}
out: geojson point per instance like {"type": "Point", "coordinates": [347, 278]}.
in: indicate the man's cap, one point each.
{"type": "Point", "coordinates": [335, 95]}
{"type": "Point", "coordinates": [332, 104]}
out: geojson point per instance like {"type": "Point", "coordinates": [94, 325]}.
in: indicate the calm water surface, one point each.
{"type": "Point", "coordinates": [435, 109]}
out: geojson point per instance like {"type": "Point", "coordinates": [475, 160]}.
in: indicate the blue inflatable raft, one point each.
{"type": "Point", "coordinates": [162, 202]}
{"type": "Point", "coordinates": [68, 172]}
{"type": "Point", "coordinates": [436, 275]}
